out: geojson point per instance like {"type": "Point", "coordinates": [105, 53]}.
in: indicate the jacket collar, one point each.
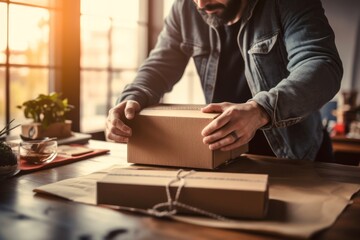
{"type": "Point", "coordinates": [250, 9]}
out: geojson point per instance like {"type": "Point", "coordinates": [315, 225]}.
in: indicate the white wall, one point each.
{"type": "Point", "coordinates": [344, 17]}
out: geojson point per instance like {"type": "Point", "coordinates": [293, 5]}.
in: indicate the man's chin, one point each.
{"type": "Point", "coordinates": [215, 20]}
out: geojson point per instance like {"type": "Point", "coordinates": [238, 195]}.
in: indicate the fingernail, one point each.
{"type": "Point", "coordinates": [203, 133]}
{"type": "Point", "coordinates": [206, 140]}
{"type": "Point", "coordinates": [126, 129]}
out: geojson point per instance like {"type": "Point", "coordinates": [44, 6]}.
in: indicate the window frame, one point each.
{"type": "Point", "coordinates": [65, 52]}
{"type": "Point", "coordinates": [51, 66]}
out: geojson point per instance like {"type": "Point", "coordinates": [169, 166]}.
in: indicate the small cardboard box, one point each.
{"type": "Point", "coordinates": [170, 135]}
{"type": "Point", "coordinates": [233, 195]}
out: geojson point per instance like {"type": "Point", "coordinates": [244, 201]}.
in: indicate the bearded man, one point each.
{"type": "Point", "coordinates": [266, 66]}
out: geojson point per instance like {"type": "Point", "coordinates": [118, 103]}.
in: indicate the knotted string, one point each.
{"type": "Point", "coordinates": [171, 204]}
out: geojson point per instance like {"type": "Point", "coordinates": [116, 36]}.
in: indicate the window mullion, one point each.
{"type": "Point", "coordinates": [7, 70]}
{"type": "Point", "coordinates": [69, 82]}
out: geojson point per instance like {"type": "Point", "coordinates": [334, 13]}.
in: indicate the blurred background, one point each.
{"type": "Point", "coordinates": [90, 49]}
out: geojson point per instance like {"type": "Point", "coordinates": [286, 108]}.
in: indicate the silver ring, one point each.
{"type": "Point", "coordinates": [234, 135]}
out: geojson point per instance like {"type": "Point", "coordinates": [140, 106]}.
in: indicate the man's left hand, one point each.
{"type": "Point", "coordinates": [235, 126]}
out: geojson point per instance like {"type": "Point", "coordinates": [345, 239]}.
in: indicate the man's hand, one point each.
{"type": "Point", "coordinates": [235, 126]}
{"type": "Point", "coordinates": [116, 130]}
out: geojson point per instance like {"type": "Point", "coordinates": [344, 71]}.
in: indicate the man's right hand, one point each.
{"type": "Point", "coordinates": [116, 130]}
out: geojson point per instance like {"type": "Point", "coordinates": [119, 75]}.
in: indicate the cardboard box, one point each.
{"type": "Point", "coordinates": [170, 135]}
{"type": "Point", "coordinates": [231, 195]}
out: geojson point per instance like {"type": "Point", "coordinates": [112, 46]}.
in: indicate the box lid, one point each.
{"type": "Point", "coordinates": [209, 180]}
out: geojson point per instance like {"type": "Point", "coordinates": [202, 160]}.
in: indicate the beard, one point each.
{"type": "Point", "coordinates": [228, 13]}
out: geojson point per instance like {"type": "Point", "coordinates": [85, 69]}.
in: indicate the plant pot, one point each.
{"type": "Point", "coordinates": [36, 130]}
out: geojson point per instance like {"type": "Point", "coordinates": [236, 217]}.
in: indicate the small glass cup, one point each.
{"type": "Point", "coordinates": [38, 151]}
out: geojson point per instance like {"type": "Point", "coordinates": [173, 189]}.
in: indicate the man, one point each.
{"type": "Point", "coordinates": [266, 66]}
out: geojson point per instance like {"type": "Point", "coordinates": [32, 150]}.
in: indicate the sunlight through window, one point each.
{"type": "Point", "coordinates": [44, 3]}
{"type": "Point", "coordinates": [3, 23]}
{"type": "Point", "coordinates": [111, 38]}
{"type": "Point", "coordinates": [29, 35]}
{"type": "Point", "coordinates": [25, 68]}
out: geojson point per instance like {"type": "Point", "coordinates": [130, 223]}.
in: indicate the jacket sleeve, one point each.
{"type": "Point", "coordinates": [164, 66]}
{"type": "Point", "coordinates": [314, 65]}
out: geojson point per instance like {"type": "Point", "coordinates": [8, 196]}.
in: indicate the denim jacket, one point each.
{"type": "Point", "coordinates": [291, 65]}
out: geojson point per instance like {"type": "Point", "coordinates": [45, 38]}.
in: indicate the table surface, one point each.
{"type": "Point", "coordinates": [346, 150]}
{"type": "Point", "coordinates": [26, 215]}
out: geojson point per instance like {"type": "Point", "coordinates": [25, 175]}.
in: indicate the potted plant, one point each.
{"type": "Point", "coordinates": [48, 113]}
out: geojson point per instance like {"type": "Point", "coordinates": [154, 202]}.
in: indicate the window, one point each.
{"type": "Point", "coordinates": [25, 63]}
{"type": "Point", "coordinates": [188, 89]}
{"type": "Point", "coordinates": [86, 49]}
{"type": "Point", "coordinates": [114, 37]}
{"type": "Point", "coordinates": [41, 51]}
{"type": "Point", "coordinates": [113, 45]}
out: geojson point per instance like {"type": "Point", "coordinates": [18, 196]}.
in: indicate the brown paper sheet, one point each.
{"type": "Point", "coordinates": [304, 197]}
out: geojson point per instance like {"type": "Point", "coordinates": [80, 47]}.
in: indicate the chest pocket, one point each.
{"type": "Point", "coordinates": [263, 47]}
{"type": "Point", "coordinates": [269, 59]}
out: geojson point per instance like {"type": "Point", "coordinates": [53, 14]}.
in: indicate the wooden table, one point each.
{"type": "Point", "coordinates": [25, 215]}
{"type": "Point", "coordinates": [346, 150]}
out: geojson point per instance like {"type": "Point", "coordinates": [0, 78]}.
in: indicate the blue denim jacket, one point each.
{"type": "Point", "coordinates": [291, 65]}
